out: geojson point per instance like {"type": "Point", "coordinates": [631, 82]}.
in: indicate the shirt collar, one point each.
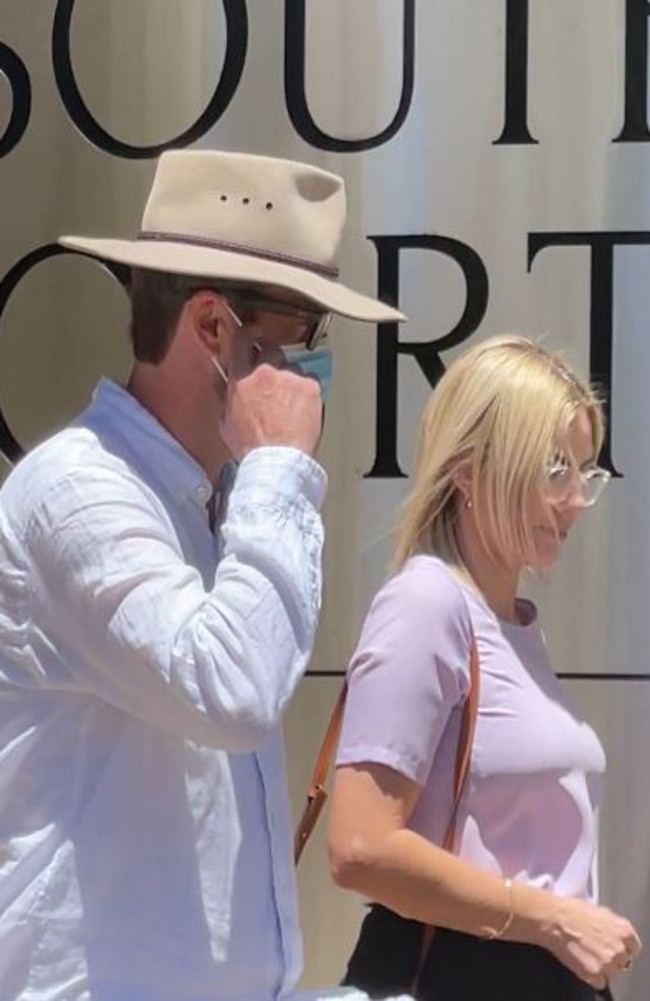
{"type": "Point", "coordinates": [164, 457]}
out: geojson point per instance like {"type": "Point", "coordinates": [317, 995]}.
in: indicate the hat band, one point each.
{"type": "Point", "coordinates": [239, 248]}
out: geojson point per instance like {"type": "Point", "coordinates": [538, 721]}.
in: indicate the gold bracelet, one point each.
{"type": "Point", "coordinates": [500, 932]}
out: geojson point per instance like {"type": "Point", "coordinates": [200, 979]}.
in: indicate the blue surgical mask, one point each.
{"type": "Point", "coordinates": [317, 362]}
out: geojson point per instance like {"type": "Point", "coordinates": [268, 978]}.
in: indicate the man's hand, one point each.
{"type": "Point", "coordinates": [268, 405]}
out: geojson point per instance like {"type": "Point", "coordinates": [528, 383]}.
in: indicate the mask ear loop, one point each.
{"type": "Point", "coordinates": [257, 347]}
{"type": "Point", "coordinates": [233, 314]}
{"type": "Point", "coordinates": [215, 361]}
{"type": "Point", "coordinates": [219, 367]}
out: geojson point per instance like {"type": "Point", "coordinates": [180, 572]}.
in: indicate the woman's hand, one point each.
{"type": "Point", "coordinates": [593, 942]}
{"type": "Point", "coordinates": [372, 852]}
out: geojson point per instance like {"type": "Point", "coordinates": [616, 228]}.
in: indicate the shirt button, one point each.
{"type": "Point", "coordinates": [203, 494]}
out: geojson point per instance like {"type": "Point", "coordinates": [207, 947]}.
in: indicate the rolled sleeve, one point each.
{"type": "Point", "coordinates": [301, 477]}
{"type": "Point", "coordinates": [277, 496]}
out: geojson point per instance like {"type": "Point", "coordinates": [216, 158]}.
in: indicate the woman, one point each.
{"type": "Point", "coordinates": [506, 465]}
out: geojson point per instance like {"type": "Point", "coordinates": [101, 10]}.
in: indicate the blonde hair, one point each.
{"type": "Point", "coordinates": [499, 414]}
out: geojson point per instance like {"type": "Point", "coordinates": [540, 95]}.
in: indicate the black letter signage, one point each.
{"type": "Point", "coordinates": [294, 83]}
{"type": "Point", "coordinates": [426, 353]}
{"type": "Point", "coordinates": [601, 246]}
{"type": "Point", "coordinates": [237, 40]}
{"type": "Point", "coordinates": [9, 446]}
{"type": "Point", "coordinates": [14, 69]}
{"type": "Point", "coordinates": [515, 129]}
{"type": "Point", "coordinates": [635, 126]}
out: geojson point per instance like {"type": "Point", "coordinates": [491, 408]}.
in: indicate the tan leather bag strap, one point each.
{"type": "Point", "coordinates": [461, 771]}
{"type": "Point", "coordinates": [317, 793]}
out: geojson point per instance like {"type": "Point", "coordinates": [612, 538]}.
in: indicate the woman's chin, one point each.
{"type": "Point", "coordinates": [548, 545]}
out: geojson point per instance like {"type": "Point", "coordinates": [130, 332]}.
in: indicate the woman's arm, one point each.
{"type": "Point", "coordinates": [373, 852]}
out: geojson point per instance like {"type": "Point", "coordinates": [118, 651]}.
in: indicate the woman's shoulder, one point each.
{"type": "Point", "coordinates": [425, 597]}
{"type": "Point", "coordinates": [411, 666]}
{"type": "Point", "coordinates": [425, 578]}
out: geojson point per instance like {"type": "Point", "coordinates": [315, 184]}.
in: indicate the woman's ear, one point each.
{"type": "Point", "coordinates": [462, 480]}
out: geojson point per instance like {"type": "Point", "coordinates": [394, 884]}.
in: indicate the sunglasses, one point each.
{"type": "Point", "coordinates": [313, 323]}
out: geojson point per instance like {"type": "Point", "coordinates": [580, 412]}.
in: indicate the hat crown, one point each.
{"type": "Point", "coordinates": [236, 217]}
{"type": "Point", "coordinates": [280, 208]}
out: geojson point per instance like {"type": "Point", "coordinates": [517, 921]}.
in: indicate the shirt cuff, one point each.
{"type": "Point", "coordinates": [285, 471]}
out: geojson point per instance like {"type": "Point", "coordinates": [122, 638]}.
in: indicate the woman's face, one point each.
{"type": "Point", "coordinates": [563, 497]}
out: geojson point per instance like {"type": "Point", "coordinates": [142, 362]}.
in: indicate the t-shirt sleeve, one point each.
{"type": "Point", "coordinates": [409, 671]}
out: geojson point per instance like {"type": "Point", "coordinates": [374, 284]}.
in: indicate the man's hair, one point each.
{"type": "Point", "coordinates": [157, 299]}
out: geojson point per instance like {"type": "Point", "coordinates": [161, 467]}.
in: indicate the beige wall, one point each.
{"type": "Point", "coordinates": [147, 69]}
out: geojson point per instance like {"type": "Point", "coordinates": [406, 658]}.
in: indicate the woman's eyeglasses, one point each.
{"type": "Point", "coordinates": [562, 480]}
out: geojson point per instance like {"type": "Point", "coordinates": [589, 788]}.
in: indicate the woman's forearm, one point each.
{"type": "Point", "coordinates": [409, 875]}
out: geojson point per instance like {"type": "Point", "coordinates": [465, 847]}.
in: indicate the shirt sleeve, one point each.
{"type": "Point", "coordinates": [409, 671]}
{"type": "Point", "coordinates": [133, 623]}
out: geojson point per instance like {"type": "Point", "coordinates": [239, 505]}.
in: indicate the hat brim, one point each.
{"type": "Point", "coordinates": [210, 263]}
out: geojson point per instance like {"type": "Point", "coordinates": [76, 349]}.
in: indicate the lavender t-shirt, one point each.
{"type": "Point", "coordinates": [530, 807]}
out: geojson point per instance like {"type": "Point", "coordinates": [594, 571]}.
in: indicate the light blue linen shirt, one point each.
{"type": "Point", "coordinates": [145, 834]}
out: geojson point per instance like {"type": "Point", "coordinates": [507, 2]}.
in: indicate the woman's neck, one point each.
{"type": "Point", "coordinates": [499, 593]}
{"type": "Point", "coordinates": [498, 583]}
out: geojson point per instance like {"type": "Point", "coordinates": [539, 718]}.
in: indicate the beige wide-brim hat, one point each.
{"type": "Point", "coordinates": [244, 218]}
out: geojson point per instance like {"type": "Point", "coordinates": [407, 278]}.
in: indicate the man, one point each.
{"type": "Point", "coordinates": [152, 628]}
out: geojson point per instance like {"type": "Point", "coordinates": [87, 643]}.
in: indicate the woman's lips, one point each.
{"type": "Point", "coordinates": [557, 533]}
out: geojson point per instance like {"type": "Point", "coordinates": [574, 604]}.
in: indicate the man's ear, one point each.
{"type": "Point", "coordinates": [208, 318]}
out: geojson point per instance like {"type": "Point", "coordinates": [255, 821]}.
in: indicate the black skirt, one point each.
{"type": "Point", "coordinates": [458, 967]}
